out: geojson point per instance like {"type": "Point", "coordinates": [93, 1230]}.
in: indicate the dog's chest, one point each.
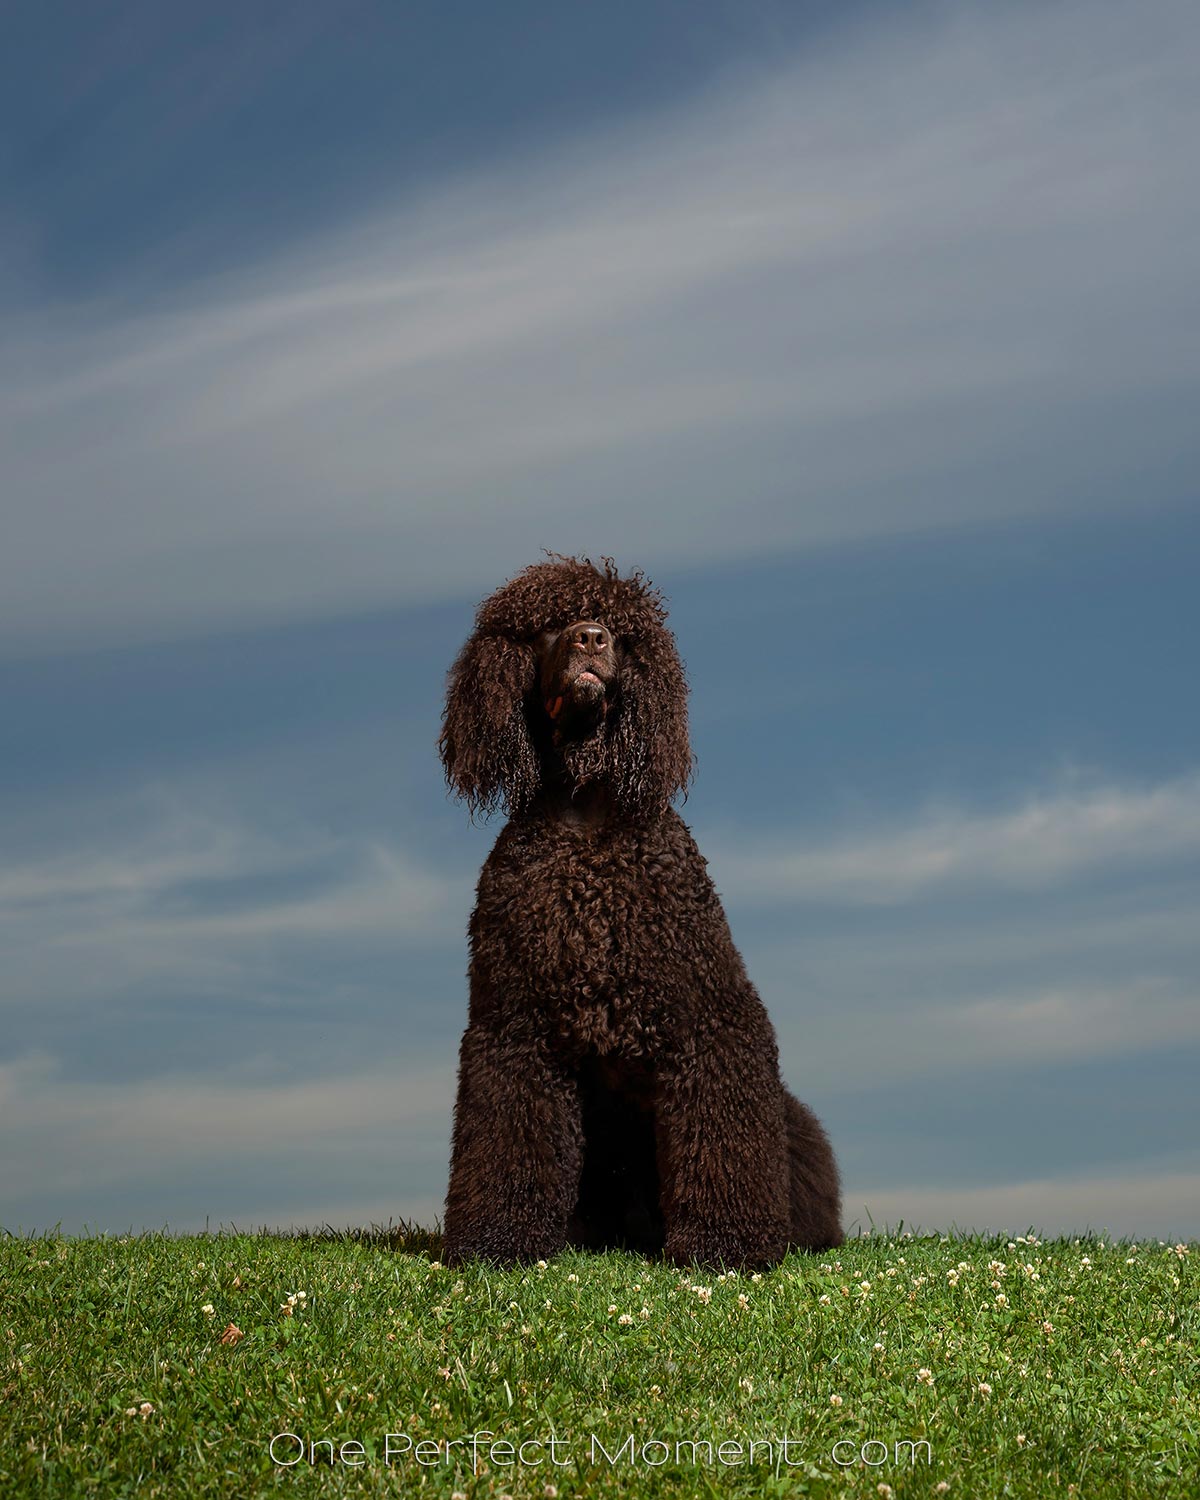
{"type": "Point", "coordinates": [587, 929]}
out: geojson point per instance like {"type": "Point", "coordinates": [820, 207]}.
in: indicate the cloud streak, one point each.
{"type": "Point", "coordinates": [975, 1034]}
{"type": "Point", "coordinates": [191, 894]}
{"type": "Point", "coordinates": [1050, 840]}
{"type": "Point", "coordinates": [913, 279]}
{"type": "Point", "coordinates": [1053, 932]}
{"type": "Point", "coordinates": [72, 1138]}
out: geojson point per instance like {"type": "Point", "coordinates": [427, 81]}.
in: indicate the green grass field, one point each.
{"type": "Point", "coordinates": [904, 1365]}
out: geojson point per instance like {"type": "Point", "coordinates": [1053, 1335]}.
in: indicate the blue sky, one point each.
{"type": "Point", "coordinates": [866, 331]}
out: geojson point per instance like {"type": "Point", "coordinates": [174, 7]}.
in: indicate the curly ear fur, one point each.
{"type": "Point", "coordinates": [652, 756]}
{"type": "Point", "coordinates": [486, 747]}
{"type": "Point", "coordinates": [484, 744]}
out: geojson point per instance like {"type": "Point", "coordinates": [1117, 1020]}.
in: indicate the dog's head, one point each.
{"type": "Point", "coordinates": [570, 669]}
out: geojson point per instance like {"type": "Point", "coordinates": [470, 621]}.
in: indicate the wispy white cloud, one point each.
{"type": "Point", "coordinates": [1051, 838]}
{"type": "Point", "coordinates": [912, 278]}
{"type": "Point", "coordinates": [964, 1032]}
{"type": "Point", "coordinates": [1065, 1023]}
{"type": "Point", "coordinates": [67, 1137]}
{"type": "Point", "coordinates": [191, 893]}
{"type": "Point", "coordinates": [1059, 930]}
{"type": "Point", "coordinates": [190, 1117]}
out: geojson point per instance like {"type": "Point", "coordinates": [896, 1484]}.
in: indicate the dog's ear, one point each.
{"type": "Point", "coordinates": [485, 746]}
{"type": "Point", "coordinates": [653, 759]}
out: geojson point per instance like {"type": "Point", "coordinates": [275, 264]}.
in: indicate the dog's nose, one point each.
{"type": "Point", "coordinates": [587, 636]}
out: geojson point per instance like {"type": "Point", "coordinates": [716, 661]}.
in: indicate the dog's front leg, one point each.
{"type": "Point", "coordinates": [721, 1143]}
{"type": "Point", "coordinates": [517, 1151]}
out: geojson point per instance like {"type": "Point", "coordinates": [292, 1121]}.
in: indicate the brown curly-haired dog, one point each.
{"type": "Point", "coordinates": [618, 1078]}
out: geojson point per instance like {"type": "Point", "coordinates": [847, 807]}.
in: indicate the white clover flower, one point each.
{"type": "Point", "coordinates": [984, 1388]}
{"type": "Point", "coordinates": [835, 1401]}
{"type": "Point", "coordinates": [924, 1376]}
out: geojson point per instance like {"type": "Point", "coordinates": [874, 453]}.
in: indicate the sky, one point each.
{"type": "Point", "coordinates": [867, 331]}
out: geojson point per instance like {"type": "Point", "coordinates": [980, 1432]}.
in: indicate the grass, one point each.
{"type": "Point", "coordinates": [1013, 1367]}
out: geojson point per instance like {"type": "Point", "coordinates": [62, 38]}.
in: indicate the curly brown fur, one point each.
{"type": "Point", "coordinates": [619, 1078]}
